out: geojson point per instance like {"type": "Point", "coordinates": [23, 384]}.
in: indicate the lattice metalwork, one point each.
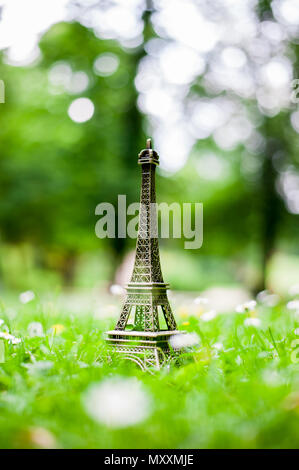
{"type": "Point", "coordinates": [148, 352]}
{"type": "Point", "coordinates": [146, 291]}
{"type": "Point", "coordinates": [146, 299]}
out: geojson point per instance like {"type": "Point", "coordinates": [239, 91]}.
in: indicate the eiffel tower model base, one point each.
{"type": "Point", "coordinates": [150, 350]}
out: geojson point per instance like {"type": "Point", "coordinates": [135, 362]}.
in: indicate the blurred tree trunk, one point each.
{"type": "Point", "coordinates": [270, 204]}
{"type": "Point", "coordinates": [64, 262]}
{"type": "Point", "coordinates": [68, 268]}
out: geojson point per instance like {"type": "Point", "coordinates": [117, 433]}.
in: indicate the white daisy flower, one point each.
{"type": "Point", "coordinates": [16, 340]}
{"type": "Point", "coordinates": [1, 322]}
{"type": "Point", "coordinates": [246, 307]}
{"type": "Point", "coordinates": [35, 328]}
{"type": "Point", "coordinates": [207, 316]}
{"type": "Point", "coordinates": [12, 339]}
{"type": "Point", "coordinates": [26, 296]}
{"type": "Point", "coordinates": [240, 309]}
{"type": "Point", "coordinates": [5, 335]}
{"type": "Point", "coordinates": [252, 322]}
{"type": "Point", "coordinates": [184, 340]}
{"type": "Point", "coordinates": [118, 402]}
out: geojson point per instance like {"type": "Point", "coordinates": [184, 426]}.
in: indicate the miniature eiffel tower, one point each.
{"type": "Point", "coordinates": [146, 343]}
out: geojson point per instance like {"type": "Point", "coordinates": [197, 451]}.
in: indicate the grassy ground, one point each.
{"type": "Point", "coordinates": [241, 390]}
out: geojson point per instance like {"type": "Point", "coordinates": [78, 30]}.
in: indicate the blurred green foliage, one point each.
{"type": "Point", "coordinates": [54, 172]}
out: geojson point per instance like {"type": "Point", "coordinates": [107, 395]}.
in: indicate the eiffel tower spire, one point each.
{"type": "Point", "coordinates": [146, 301]}
{"type": "Point", "coordinates": [147, 267]}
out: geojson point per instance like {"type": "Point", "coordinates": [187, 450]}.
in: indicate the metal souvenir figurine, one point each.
{"type": "Point", "coordinates": [146, 342]}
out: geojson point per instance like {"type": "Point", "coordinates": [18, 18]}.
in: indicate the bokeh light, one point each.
{"type": "Point", "coordinates": [81, 110]}
{"type": "Point", "coordinates": [106, 64]}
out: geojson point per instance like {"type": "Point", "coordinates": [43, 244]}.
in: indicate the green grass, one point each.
{"type": "Point", "coordinates": [243, 396]}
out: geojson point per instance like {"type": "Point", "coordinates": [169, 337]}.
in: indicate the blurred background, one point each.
{"type": "Point", "coordinates": [87, 81]}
